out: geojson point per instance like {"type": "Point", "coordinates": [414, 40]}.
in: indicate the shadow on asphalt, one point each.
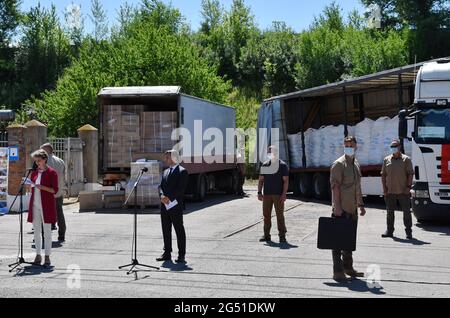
{"type": "Point", "coordinates": [173, 267]}
{"type": "Point", "coordinates": [357, 285]}
{"type": "Point", "coordinates": [54, 245]}
{"type": "Point", "coordinates": [281, 246]}
{"type": "Point", "coordinates": [191, 206]}
{"type": "Point", "coordinates": [414, 241]}
{"type": "Point", "coordinates": [34, 271]}
{"type": "Point", "coordinates": [443, 228]}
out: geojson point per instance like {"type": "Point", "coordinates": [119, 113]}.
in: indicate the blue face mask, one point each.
{"type": "Point", "coordinates": [349, 151]}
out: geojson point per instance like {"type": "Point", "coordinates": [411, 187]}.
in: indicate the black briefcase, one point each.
{"type": "Point", "coordinates": [337, 234]}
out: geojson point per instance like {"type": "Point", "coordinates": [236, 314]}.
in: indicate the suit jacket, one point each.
{"type": "Point", "coordinates": [174, 186]}
{"type": "Point", "coordinates": [49, 179]}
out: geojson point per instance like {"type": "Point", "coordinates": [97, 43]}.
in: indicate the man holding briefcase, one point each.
{"type": "Point", "coordinates": [345, 179]}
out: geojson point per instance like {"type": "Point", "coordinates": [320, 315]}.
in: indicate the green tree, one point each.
{"type": "Point", "coordinates": [147, 53]}
{"type": "Point", "coordinates": [429, 21]}
{"type": "Point", "coordinates": [100, 20]}
{"type": "Point", "coordinates": [9, 21]}
{"type": "Point", "coordinates": [42, 54]}
{"type": "Point", "coordinates": [223, 36]}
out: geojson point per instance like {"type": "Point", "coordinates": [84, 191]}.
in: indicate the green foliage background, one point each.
{"type": "Point", "coordinates": [53, 73]}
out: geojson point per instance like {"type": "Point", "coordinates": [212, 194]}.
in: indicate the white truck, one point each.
{"type": "Point", "coordinates": [430, 116]}
{"type": "Point", "coordinates": [138, 122]}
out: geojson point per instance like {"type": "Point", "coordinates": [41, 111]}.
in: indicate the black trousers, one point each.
{"type": "Point", "coordinates": [61, 218]}
{"type": "Point", "coordinates": [343, 260]}
{"type": "Point", "coordinates": [173, 217]}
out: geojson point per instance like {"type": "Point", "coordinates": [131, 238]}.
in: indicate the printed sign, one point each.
{"type": "Point", "coordinates": [14, 154]}
{"type": "Point", "coordinates": [4, 164]}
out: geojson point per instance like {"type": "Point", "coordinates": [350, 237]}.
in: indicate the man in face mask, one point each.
{"type": "Point", "coordinates": [274, 180]}
{"type": "Point", "coordinates": [397, 176]}
{"type": "Point", "coordinates": [345, 179]}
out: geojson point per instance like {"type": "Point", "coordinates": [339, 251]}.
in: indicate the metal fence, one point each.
{"type": "Point", "coordinates": [3, 139]}
{"type": "Point", "coordinates": [71, 151]}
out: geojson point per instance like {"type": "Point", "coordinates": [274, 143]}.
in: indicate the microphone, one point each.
{"type": "Point", "coordinates": [145, 170]}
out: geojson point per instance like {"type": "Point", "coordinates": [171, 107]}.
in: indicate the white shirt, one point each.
{"type": "Point", "coordinates": [37, 201]}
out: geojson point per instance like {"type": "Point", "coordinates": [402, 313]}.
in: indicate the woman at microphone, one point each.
{"type": "Point", "coordinates": [42, 210]}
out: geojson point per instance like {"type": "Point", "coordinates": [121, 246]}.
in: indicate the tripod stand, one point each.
{"type": "Point", "coordinates": [134, 260]}
{"type": "Point", "coordinates": [20, 259]}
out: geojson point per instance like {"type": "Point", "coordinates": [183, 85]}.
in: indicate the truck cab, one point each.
{"type": "Point", "coordinates": [430, 139]}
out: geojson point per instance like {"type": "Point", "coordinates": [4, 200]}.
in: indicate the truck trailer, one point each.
{"type": "Point", "coordinates": [424, 127]}
{"type": "Point", "coordinates": [137, 123]}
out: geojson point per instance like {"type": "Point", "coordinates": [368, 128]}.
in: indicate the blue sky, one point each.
{"type": "Point", "coordinates": [296, 13]}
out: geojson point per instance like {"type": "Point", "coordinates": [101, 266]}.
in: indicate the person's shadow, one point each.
{"type": "Point", "coordinates": [34, 270]}
{"type": "Point", "coordinates": [414, 241]}
{"type": "Point", "coordinates": [282, 246]}
{"type": "Point", "coordinates": [174, 267]}
{"type": "Point", "coordinates": [360, 286]}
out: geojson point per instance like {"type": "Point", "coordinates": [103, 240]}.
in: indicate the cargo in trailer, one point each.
{"type": "Point", "coordinates": [313, 123]}
{"type": "Point", "coordinates": [143, 122]}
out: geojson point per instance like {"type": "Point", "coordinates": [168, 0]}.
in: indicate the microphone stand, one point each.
{"type": "Point", "coordinates": [21, 259]}
{"type": "Point", "coordinates": [134, 260]}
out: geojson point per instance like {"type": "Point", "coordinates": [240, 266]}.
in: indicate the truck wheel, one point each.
{"type": "Point", "coordinates": [201, 188]}
{"type": "Point", "coordinates": [305, 185]}
{"type": "Point", "coordinates": [321, 186]}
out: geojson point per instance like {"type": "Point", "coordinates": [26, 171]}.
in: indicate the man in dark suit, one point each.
{"type": "Point", "coordinates": [171, 192]}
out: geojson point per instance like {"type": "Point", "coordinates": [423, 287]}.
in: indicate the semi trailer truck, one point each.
{"type": "Point", "coordinates": [430, 117]}
{"type": "Point", "coordinates": [138, 123]}
{"type": "Point", "coordinates": [415, 97]}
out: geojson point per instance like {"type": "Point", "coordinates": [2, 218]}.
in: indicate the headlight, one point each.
{"type": "Point", "coordinates": [422, 194]}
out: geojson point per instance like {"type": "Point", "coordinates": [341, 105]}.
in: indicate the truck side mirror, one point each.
{"type": "Point", "coordinates": [403, 124]}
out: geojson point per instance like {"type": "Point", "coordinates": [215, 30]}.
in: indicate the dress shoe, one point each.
{"type": "Point", "coordinates": [164, 258]}
{"type": "Point", "coordinates": [388, 235]}
{"type": "Point", "coordinates": [47, 262]}
{"type": "Point", "coordinates": [409, 236]}
{"type": "Point", "coordinates": [38, 260]}
{"type": "Point", "coordinates": [283, 240]}
{"type": "Point", "coordinates": [265, 239]}
{"type": "Point", "coordinates": [181, 260]}
{"type": "Point", "coordinates": [354, 274]}
{"type": "Point", "coordinates": [340, 277]}
{"type": "Point", "coordinates": [61, 239]}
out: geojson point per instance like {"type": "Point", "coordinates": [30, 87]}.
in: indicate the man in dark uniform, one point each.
{"type": "Point", "coordinates": [171, 191]}
{"type": "Point", "coordinates": [345, 179]}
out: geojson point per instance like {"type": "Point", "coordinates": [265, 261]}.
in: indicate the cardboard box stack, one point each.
{"type": "Point", "coordinates": [148, 193]}
{"type": "Point", "coordinates": [156, 131]}
{"type": "Point", "coordinates": [122, 136]}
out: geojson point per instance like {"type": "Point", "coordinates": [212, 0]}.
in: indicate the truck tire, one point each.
{"type": "Point", "coordinates": [321, 188]}
{"type": "Point", "coordinates": [305, 185]}
{"type": "Point", "coordinates": [200, 188]}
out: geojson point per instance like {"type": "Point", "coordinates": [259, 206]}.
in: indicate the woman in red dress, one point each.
{"type": "Point", "coordinates": [42, 210]}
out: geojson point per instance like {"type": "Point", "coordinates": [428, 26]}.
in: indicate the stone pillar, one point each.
{"type": "Point", "coordinates": [35, 136]}
{"type": "Point", "coordinates": [89, 135]}
{"type": "Point", "coordinates": [17, 169]}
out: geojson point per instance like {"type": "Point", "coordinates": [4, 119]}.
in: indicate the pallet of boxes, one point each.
{"type": "Point", "coordinates": [132, 133]}
{"type": "Point", "coordinates": [148, 187]}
